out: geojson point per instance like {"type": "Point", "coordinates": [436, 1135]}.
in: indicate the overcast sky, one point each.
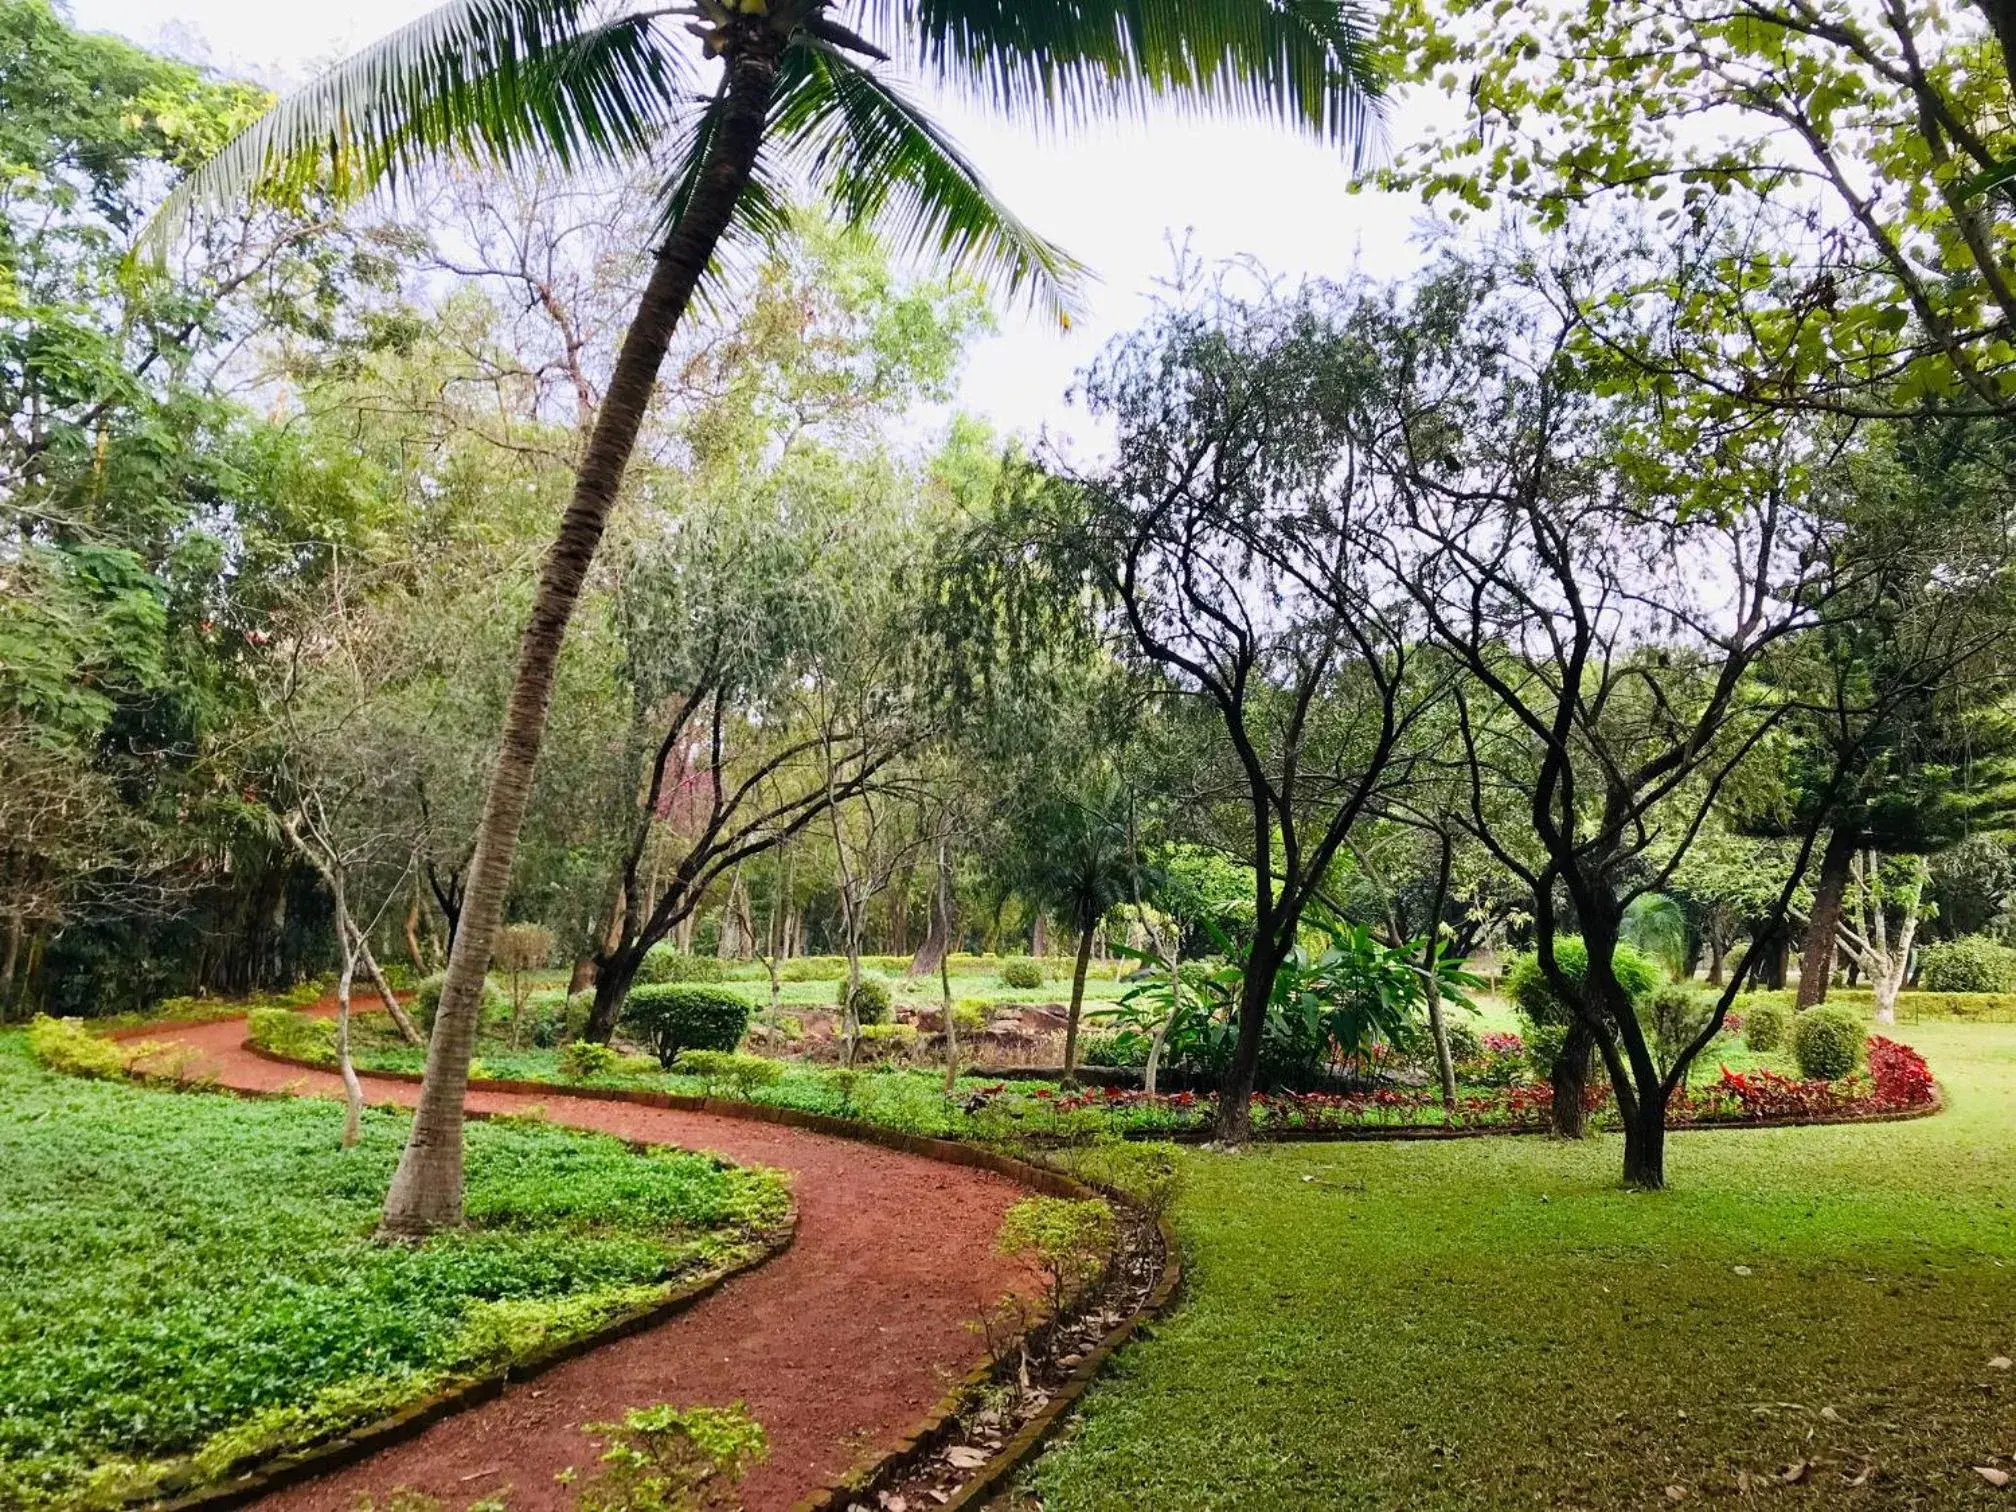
{"type": "Point", "coordinates": [1114, 196]}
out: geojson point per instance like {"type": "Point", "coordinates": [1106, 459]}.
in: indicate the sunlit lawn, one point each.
{"type": "Point", "coordinates": [1495, 1323]}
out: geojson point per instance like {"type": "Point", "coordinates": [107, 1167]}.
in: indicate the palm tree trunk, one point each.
{"type": "Point", "coordinates": [426, 1191]}
{"type": "Point", "coordinates": [1077, 1003]}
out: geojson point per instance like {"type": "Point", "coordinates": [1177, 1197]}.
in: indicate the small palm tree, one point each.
{"type": "Point", "coordinates": [797, 98]}
{"type": "Point", "coordinates": [1079, 860]}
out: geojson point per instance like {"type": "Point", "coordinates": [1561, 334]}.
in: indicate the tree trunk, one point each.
{"type": "Point", "coordinates": [1570, 1079]}
{"type": "Point", "coordinates": [413, 951]}
{"type": "Point", "coordinates": [941, 915]}
{"type": "Point", "coordinates": [1816, 961]}
{"type": "Point", "coordinates": [1445, 1063]}
{"type": "Point", "coordinates": [1645, 1144]}
{"type": "Point", "coordinates": [612, 984]}
{"type": "Point", "coordinates": [1077, 1005]}
{"type": "Point", "coordinates": [1235, 1097]}
{"type": "Point", "coordinates": [408, 1031]}
{"type": "Point", "coordinates": [582, 977]}
{"type": "Point", "coordinates": [426, 1191]}
{"type": "Point", "coordinates": [1039, 937]}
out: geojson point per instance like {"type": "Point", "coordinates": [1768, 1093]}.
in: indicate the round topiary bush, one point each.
{"type": "Point", "coordinates": [1766, 1025]}
{"type": "Point", "coordinates": [675, 1016]}
{"type": "Point", "coordinates": [1971, 964]}
{"type": "Point", "coordinates": [872, 1000]}
{"type": "Point", "coordinates": [1829, 1042]}
{"type": "Point", "coordinates": [1673, 1015]}
{"type": "Point", "coordinates": [426, 1003]}
{"type": "Point", "coordinates": [1022, 973]}
{"type": "Point", "coordinates": [662, 963]}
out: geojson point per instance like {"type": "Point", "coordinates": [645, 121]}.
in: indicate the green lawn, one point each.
{"type": "Point", "coordinates": [189, 1274]}
{"type": "Point", "coordinates": [1496, 1324]}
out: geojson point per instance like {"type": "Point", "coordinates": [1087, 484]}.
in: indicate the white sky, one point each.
{"type": "Point", "coordinates": [1114, 196]}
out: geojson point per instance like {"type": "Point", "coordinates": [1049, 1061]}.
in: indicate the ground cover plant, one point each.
{"type": "Point", "coordinates": [1811, 1314]}
{"type": "Point", "coordinates": [188, 1278]}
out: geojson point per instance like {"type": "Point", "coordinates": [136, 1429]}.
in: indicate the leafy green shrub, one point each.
{"type": "Point", "coordinates": [872, 1000]}
{"type": "Point", "coordinates": [742, 1074]}
{"type": "Point", "coordinates": [1766, 1024]}
{"type": "Point", "coordinates": [66, 1046]}
{"type": "Point", "coordinates": [1673, 1015]}
{"type": "Point", "coordinates": [1023, 973]}
{"type": "Point", "coordinates": [1543, 1047]}
{"type": "Point", "coordinates": [663, 964]}
{"type": "Point", "coordinates": [1465, 1044]}
{"type": "Point", "coordinates": [1829, 1042]}
{"type": "Point", "coordinates": [585, 1060]}
{"type": "Point", "coordinates": [813, 969]}
{"type": "Point", "coordinates": [675, 1016]}
{"type": "Point", "coordinates": [282, 1031]}
{"type": "Point", "coordinates": [1997, 1006]}
{"type": "Point", "coordinates": [1534, 996]}
{"type": "Point", "coordinates": [1146, 1174]}
{"type": "Point", "coordinates": [972, 1015]}
{"type": "Point", "coordinates": [426, 1003]}
{"type": "Point", "coordinates": [892, 1040]}
{"type": "Point", "coordinates": [1068, 1241]}
{"type": "Point", "coordinates": [660, 1459]}
{"type": "Point", "coordinates": [1971, 964]}
{"type": "Point", "coordinates": [1119, 1050]}
{"type": "Point", "coordinates": [553, 1018]}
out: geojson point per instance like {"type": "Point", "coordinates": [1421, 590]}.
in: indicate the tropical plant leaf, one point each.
{"type": "Point", "coordinates": [492, 80]}
{"type": "Point", "coordinates": [1304, 63]}
{"type": "Point", "coordinates": [883, 162]}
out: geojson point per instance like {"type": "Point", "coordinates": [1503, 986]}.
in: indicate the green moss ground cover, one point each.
{"type": "Point", "coordinates": [188, 1278]}
{"type": "Point", "coordinates": [1494, 1323]}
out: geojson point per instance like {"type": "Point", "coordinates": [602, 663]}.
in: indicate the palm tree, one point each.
{"type": "Point", "coordinates": [797, 101]}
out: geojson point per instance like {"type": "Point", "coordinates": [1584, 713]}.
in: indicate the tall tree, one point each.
{"type": "Point", "coordinates": [504, 79]}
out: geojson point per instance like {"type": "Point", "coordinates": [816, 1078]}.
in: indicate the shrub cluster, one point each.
{"type": "Point", "coordinates": [663, 964]}
{"type": "Point", "coordinates": [1023, 973]}
{"type": "Point", "coordinates": [66, 1046]}
{"type": "Point", "coordinates": [1971, 964]}
{"type": "Point", "coordinates": [1828, 1042]}
{"type": "Point", "coordinates": [282, 1031]}
{"type": "Point", "coordinates": [674, 1016]}
{"type": "Point", "coordinates": [872, 1002]}
{"type": "Point", "coordinates": [426, 1003]}
{"type": "Point", "coordinates": [1527, 985]}
{"type": "Point", "coordinates": [741, 1074]}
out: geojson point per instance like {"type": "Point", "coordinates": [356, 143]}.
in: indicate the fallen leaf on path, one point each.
{"type": "Point", "coordinates": [1991, 1475]}
{"type": "Point", "coordinates": [2000, 1362]}
{"type": "Point", "coordinates": [1794, 1473]}
{"type": "Point", "coordinates": [965, 1457]}
{"type": "Point", "coordinates": [1742, 1270]}
{"type": "Point", "coordinates": [1676, 1493]}
{"type": "Point", "coordinates": [1742, 1482]}
{"type": "Point", "coordinates": [1830, 1414]}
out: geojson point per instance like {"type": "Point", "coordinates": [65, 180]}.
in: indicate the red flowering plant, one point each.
{"type": "Point", "coordinates": [1898, 1075]}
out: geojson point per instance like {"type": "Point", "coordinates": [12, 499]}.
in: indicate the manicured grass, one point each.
{"type": "Point", "coordinates": [189, 1274]}
{"type": "Point", "coordinates": [1495, 1323]}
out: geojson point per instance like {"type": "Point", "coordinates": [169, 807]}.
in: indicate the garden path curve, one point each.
{"type": "Point", "coordinates": [838, 1346]}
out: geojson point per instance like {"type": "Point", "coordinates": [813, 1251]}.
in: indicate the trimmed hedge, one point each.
{"type": "Point", "coordinates": [1766, 1024]}
{"type": "Point", "coordinates": [294, 1035]}
{"type": "Point", "coordinates": [675, 1016]}
{"type": "Point", "coordinates": [873, 1003]}
{"type": "Point", "coordinates": [1972, 964]}
{"type": "Point", "coordinates": [1527, 985]}
{"type": "Point", "coordinates": [1022, 973]}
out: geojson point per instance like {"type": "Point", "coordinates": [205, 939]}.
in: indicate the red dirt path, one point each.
{"type": "Point", "coordinates": [838, 1346]}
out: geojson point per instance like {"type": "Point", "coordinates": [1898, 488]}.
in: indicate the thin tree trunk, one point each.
{"type": "Point", "coordinates": [408, 1031]}
{"type": "Point", "coordinates": [1816, 962]}
{"type": "Point", "coordinates": [1445, 1063]}
{"type": "Point", "coordinates": [941, 923]}
{"type": "Point", "coordinates": [7, 968]}
{"type": "Point", "coordinates": [426, 1192]}
{"type": "Point", "coordinates": [1235, 1096]}
{"type": "Point", "coordinates": [1077, 1003]}
{"type": "Point", "coordinates": [353, 1090]}
{"type": "Point", "coordinates": [413, 952]}
{"type": "Point", "coordinates": [1645, 1146]}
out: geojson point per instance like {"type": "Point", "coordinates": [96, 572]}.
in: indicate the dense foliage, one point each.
{"type": "Point", "coordinates": [673, 1016]}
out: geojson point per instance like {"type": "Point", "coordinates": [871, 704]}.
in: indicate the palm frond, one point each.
{"type": "Point", "coordinates": [883, 162]}
{"type": "Point", "coordinates": [491, 80]}
{"type": "Point", "coordinates": [763, 215]}
{"type": "Point", "coordinates": [1307, 64]}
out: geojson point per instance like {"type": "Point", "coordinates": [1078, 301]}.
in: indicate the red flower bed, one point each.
{"type": "Point", "coordinates": [1898, 1075]}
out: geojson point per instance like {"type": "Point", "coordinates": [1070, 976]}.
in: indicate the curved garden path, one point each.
{"type": "Point", "coordinates": [838, 1346]}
